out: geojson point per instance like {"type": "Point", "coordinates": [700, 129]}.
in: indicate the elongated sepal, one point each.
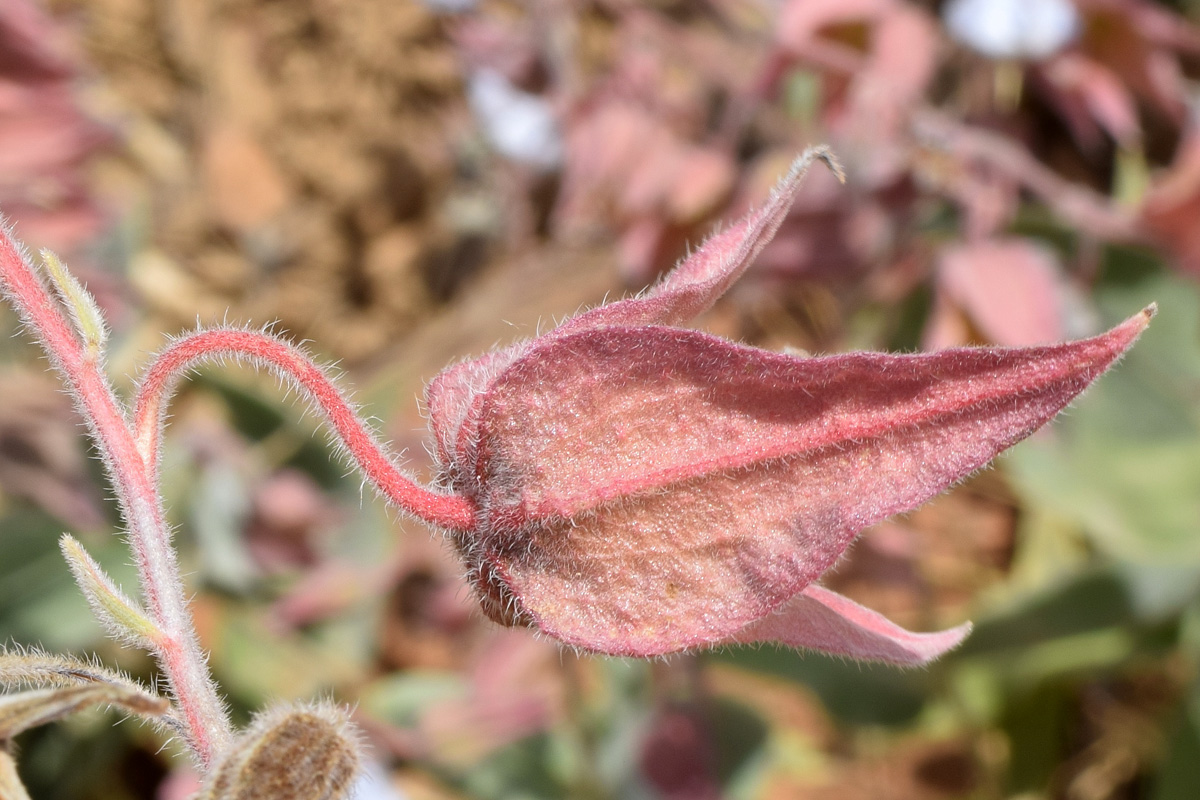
{"type": "Point", "coordinates": [297, 752]}
{"type": "Point", "coordinates": [80, 304]}
{"type": "Point", "coordinates": [644, 490]}
{"type": "Point", "coordinates": [35, 668]}
{"type": "Point", "coordinates": [123, 618]}
{"type": "Point", "coordinates": [61, 686]}
{"type": "Point", "coordinates": [818, 619]}
{"type": "Point", "coordinates": [24, 710]}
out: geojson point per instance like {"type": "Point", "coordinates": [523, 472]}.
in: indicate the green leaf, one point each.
{"type": "Point", "coordinates": [125, 619]}
{"type": "Point", "coordinates": [400, 698]}
{"type": "Point", "coordinates": [856, 693]}
{"type": "Point", "coordinates": [1124, 464]}
{"type": "Point", "coordinates": [1179, 777]}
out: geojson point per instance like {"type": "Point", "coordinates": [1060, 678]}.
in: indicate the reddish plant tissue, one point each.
{"type": "Point", "coordinates": [624, 485]}
{"type": "Point", "coordinates": [641, 489]}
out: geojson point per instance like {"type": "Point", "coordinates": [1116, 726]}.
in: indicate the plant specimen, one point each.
{"type": "Point", "coordinates": [624, 485]}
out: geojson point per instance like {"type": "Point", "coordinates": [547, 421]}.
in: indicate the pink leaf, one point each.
{"type": "Point", "coordinates": [1076, 79]}
{"type": "Point", "coordinates": [660, 156]}
{"type": "Point", "coordinates": [1009, 287]}
{"type": "Point", "coordinates": [904, 55]}
{"type": "Point", "coordinates": [33, 46]}
{"type": "Point", "coordinates": [1138, 43]}
{"type": "Point", "coordinates": [44, 130]}
{"type": "Point", "coordinates": [705, 179]}
{"type": "Point", "coordinates": [818, 619]}
{"type": "Point", "coordinates": [1172, 204]}
{"type": "Point", "coordinates": [644, 490]}
{"type": "Point", "coordinates": [693, 286]}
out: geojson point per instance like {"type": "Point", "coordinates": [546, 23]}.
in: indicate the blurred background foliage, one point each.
{"type": "Point", "coordinates": [406, 183]}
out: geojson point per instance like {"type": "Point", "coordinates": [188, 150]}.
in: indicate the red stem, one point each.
{"type": "Point", "coordinates": [444, 510]}
{"type": "Point", "coordinates": [207, 726]}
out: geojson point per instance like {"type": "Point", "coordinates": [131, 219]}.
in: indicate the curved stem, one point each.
{"type": "Point", "coordinates": [207, 728]}
{"type": "Point", "coordinates": [442, 509]}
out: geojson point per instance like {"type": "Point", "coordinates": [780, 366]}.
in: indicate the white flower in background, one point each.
{"type": "Point", "coordinates": [1012, 29]}
{"type": "Point", "coordinates": [520, 125]}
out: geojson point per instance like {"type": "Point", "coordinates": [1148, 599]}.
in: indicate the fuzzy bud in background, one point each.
{"type": "Point", "coordinates": [297, 752]}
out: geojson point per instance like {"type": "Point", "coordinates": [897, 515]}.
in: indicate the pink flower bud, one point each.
{"type": "Point", "coordinates": [643, 489]}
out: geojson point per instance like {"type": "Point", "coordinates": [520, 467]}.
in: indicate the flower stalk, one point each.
{"type": "Point", "coordinates": [206, 724]}
{"type": "Point", "coordinates": [441, 509]}
{"type": "Point", "coordinates": [62, 315]}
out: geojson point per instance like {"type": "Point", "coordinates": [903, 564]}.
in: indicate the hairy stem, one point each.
{"type": "Point", "coordinates": [444, 510]}
{"type": "Point", "coordinates": [206, 722]}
